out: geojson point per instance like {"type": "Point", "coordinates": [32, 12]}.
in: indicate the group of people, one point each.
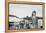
{"type": "Point", "coordinates": [32, 24]}
{"type": "Point", "coordinates": [28, 25]}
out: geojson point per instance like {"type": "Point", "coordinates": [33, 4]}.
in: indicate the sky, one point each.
{"type": "Point", "coordinates": [23, 10]}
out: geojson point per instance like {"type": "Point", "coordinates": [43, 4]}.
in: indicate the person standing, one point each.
{"type": "Point", "coordinates": [34, 20]}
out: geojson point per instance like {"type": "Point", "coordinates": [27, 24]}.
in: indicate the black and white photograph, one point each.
{"type": "Point", "coordinates": [25, 16]}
